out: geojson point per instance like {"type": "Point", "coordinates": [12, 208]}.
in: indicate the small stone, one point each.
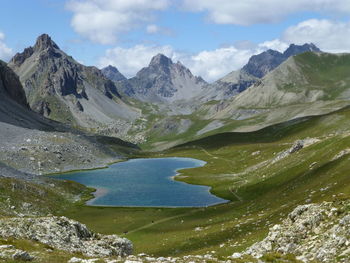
{"type": "Point", "coordinates": [22, 255]}
{"type": "Point", "coordinates": [236, 255]}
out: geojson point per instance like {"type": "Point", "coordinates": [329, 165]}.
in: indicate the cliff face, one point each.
{"type": "Point", "coordinates": [11, 86]}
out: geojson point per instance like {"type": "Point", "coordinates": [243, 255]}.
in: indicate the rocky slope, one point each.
{"type": "Point", "coordinates": [61, 89]}
{"type": "Point", "coordinates": [164, 82]}
{"type": "Point", "coordinates": [256, 68]}
{"type": "Point", "coordinates": [312, 232]}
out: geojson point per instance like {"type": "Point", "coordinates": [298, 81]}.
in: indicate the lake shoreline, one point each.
{"type": "Point", "coordinates": [99, 192]}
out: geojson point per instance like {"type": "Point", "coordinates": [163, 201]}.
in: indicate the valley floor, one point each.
{"type": "Point", "coordinates": [265, 174]}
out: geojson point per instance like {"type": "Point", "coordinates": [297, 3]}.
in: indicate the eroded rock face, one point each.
{"type": "Point", "coordinates": [318, 232]}
{"type": "Point", "coordinates": [65, 234]}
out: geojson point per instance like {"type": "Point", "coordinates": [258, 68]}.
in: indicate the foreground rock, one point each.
{"type": "Point", "coordinates": [313, 232]}
{"type": "Point", "coordinates": [65, 234]}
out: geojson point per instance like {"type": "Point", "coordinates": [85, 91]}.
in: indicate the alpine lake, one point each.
{"type": "Point", "coordinates": [144, 183]}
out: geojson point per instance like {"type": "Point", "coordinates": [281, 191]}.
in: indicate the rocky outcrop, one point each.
{"type": "Point", "coordinates": [297, 146]}
{"type": "Point", "coordinates": [312, 232]}
{"type": "Point", "coordinates": [65, 234]}
{"type": "Point", "coordinates": [113, 73]}
{"type": "Point", "coordinates": [9, 252]}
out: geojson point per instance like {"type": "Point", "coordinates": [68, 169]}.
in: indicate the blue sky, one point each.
{"type": "Point", "coordinates": [211, 37]}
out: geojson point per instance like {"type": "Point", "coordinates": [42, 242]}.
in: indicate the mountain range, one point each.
{"type": "Point", "coordinates": [165, 104]}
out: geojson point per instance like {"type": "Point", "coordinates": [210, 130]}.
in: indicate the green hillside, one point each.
{"type": "Point", "coordinates": [243, 168]}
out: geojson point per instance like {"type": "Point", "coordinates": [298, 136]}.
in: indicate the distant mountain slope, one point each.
{"type": "Point", "coordinates": [164, 81]}
{"type": "Point", "coordinates": [257, 67]}
{"type": "Point", "coordinates": [305, 85]}
{"type": "Point", "coordinates": [113, 73]}
{"type": "Point", "coordinates": [305, 78]}
{"type": "Point", "coordinates": [61, 89]}
{"type": "Point", "coordinates": [260, 65]}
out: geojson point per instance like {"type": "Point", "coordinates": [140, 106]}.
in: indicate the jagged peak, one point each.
{"type": "Point", "coordinates": [112, 73]}
{"type": "Point", "coordinates": [111, 68]}
{"type": "Point", "coordinates": [294, 49]}
{"type": "Point", "coordinates": [161, 60]}
{"type": "Point", "coordinates": [272, 51]}
{"type": "Point", "coordinates": [43, 42]}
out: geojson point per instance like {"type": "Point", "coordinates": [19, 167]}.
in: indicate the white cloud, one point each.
{"type": "Point", "coordinates": [102, 20]}
{"type": "Point", "coordinates": [328, 35]}
{"type": "Point", "coordinates": [275, 44]}
{"type": "Point", "coordinates": [214, 64]}
{"type": "Point", "coordinates": [248, 12]}
{"type": "Point", "coordinates": [152, 29]}
{"type": "Point", "coordinates": [5, 52]}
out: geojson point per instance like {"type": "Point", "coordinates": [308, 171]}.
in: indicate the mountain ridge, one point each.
{"type": "Point", "coordinates": [256, 68]}
{"type": "Point", "coordinates": [62, 89]}
{"type": "Point", "coordinates": [163, 81]}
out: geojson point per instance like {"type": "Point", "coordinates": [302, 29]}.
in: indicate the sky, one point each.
{"type": "Point", "coordinates": [211, 37]}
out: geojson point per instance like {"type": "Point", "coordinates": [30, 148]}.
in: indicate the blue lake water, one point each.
{"type": "Point", "coordinates": [145, 182]}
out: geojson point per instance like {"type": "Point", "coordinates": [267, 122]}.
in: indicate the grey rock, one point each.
{"type": "Point", "coordinates": [65, 234]}
{"type": "Point", "coordinates": [22, 255]}
{"type": "Point", "coordinates": [113, 73]}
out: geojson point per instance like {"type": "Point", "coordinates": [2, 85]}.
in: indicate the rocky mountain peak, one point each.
{"type": "Point", "coordinates": [259, 65]}
{"type": "Point", "coordinates": [113, 73]}
{"type": "Point", "coordinates": [297, 49]}
{"type": "Point", "coordinates": [43, 42]}
{"type": "Point", "coordinates": [161, 60]}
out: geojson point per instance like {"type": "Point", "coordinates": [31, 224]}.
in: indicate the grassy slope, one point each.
{"type": "Point", "coordinates": [261, 193]}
